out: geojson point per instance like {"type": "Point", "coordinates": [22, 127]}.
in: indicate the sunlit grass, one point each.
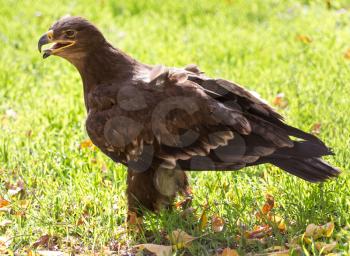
{"type": "Point", "coordinates": [252, 42]}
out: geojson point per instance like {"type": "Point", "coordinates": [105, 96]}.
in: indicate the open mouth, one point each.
{"type": "Point", "coordinates": [59, 45]}
{"type": "Point", "coordinates": [56, 47]}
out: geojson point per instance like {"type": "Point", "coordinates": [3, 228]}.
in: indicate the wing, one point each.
{"type": "Point", "coordinates": [180, 118]}
{"type": "Point", "coordinates": [167, 119]}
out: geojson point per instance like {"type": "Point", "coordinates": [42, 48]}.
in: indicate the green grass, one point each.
{"type": "Point", "coordinates": [251, 42]}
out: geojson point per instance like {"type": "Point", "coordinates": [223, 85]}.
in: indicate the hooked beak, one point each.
{"type": "Point", "coordinates": [58, 45]}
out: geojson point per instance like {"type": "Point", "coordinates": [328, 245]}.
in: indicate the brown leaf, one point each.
{"type": "Point", "coordinates": [347, 54]}
{"type": "Point", "coordinates": [269, 204]}
{"type": "Point", "coordinates": [43, 240]}
{"type": "Point", "coordinates": [259, 232]}
{"type": "Point", "coordinates": [203, 221]}
{"type": "Point", "coordinates": [158, 250]}
{"type": "Point", "coordinates": [304, 39]}
{"type": "Point", "coordinates": [316, 231]}
{"type": "Point", "coordinates": [87, 144]}
{"type": "Point", "coordinates": [3, 202]}
{"type": "Point", "coordinates": [229, 252]}
{"type": "Point", "coordinates": [46, 241]}
{"type": "Point", "coordinates": [180, 239]}
{"type": "Point", "coordinates": [316, 129]}
{"type": "Point", "coordinates": [134, 220]}
{"type": "Point", "coordinates": [280, 100]}
{"type": "Point", "coordinates": [217, 223]}
{"type": "Point", "coordinates": [324, 247]}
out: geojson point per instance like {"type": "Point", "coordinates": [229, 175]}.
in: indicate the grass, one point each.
{"type": "Point", "coordinates": [252, 42]}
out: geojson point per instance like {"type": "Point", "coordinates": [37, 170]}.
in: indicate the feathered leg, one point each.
{"type": "Point", "coordinates": [154, 189]}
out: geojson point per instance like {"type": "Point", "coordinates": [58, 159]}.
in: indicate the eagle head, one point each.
{"type": "Point", "coordinates": [71, 38]}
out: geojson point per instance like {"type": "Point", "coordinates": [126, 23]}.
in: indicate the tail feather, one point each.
{"type": "Point", "coordinates": [310, 169]}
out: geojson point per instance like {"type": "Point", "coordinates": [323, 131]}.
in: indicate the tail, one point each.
{"type": "Point", "coordinates": [304, 160]}
{"type": "Point", "coordinates": [310, 169]}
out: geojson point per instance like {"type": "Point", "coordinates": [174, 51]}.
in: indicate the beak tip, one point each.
{"type": "Point", "coordinates": [42, 41]}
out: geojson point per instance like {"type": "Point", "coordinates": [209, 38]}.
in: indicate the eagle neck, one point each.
{"type": "Point", "coordinates": [105, 65]}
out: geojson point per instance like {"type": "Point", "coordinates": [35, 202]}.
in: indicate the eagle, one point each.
{"type": "Point", "coordinates": [162, 121]}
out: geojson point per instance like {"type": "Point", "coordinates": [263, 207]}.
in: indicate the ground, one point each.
{"type": "Point", "coordinates": [295, 54]}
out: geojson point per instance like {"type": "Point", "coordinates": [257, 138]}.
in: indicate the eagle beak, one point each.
{"type": "Point", "coordinates": [58, 46]}
{"type": "Point", "coordinates": [46, 39]}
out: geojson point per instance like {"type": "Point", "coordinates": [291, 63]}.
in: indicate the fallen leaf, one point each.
{"type": "Point", "coordinates": [180, 239]}
{"type": "Point", "coordinates": [3, 202]}
{"type": "Point", "coordinates": [229, 252]}
{"type": "Point", "coordinates": [328, 229]}
{"type": "Point", "coordinates": [324, 247]}
{"type": "Point", "coordinates": [158, 250]}
{"type": "Point", "coordinates": [275, 249]}
{"type": "Point", "coordinates": [87, 144]}
{"type": "Point", "coordinates": [279, 221]}
{"type": "Point", "coordinates": [46, 241]}
{"type": "Point", "coordinates": [269, 204]}
{"type": "Point", "coordinates": [347, 54]}
{"type": "Point", "coordinates": [29, 133]}
{"type": "Point", "coordinates": [43, 240]}
{"type": "Point", "coordinates": [316, 231]}
{"type": "Point", "coordinates": [203, 221]}
{"type": "Point", "coordinates": [183, 203]}
{"type": "Point", "coordinates": [280, 101]}
{"type": "Point", "coordinates": [187, 212]}
{"type": "Point", "coordinates": [134, 220]}
{"type": "Point", "coordinates": [217, 223]}
{"type": "Point", "coordinates": [259, 232]}
{"type": "Point", "coordinates": [304, 39]}
{"type": "Point", "coordinates": [316, 129]}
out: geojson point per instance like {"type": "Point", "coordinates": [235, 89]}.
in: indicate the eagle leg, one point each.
{"type": "Point", "coordinates": [154, 189]}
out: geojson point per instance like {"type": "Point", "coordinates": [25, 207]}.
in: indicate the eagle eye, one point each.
{"type": "Point", "coordinates": [70, 33]}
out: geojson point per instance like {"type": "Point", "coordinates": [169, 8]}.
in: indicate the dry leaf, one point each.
{"type": "Point", "coordinates": [304, 39]}
{"type": "Point", "coordinates": [180, 239]}
{"type": "Point", "coordinates": [203, 221]}
{"type": "Point", "coordinates": [134, 220]}
{"type": "Point", "coordinates": [229, 252]}
{"type": "Point", "coordinates": [280, 100]}
{"type": "Point", "coordinates": [46, 241]}
{"type": "Point", "coordinates": [324, 247]}
{"type": "Point", "coordinates": [279, 221]}
{"type": "Point", "coordinates": [87, 144]}
{"type": "Point", "coordinates": [3, 202]}
{"type": "Point", "coordinates": [316, 129]}
{"type": "Point", "coordinates": [217, 223]}
{"type": "Point", "coordinates": [269, 204]}
{"type": "Point", "coordinates": [315, 231]}
{"type": "Point", "coordinates": [187, 212]}
{"type": "Point", "coordinates": [347, 54]}
{"type": "Point", "coordinates": [158, 250]}
{"type": "Point", "coordinates": [259, 232]}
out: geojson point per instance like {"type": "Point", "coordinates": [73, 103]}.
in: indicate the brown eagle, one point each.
{"type": "Point", "coordinates": [162, 121]}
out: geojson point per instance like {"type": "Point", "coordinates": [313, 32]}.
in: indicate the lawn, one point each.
{"type": "Point", "coordinates": [57, 186]}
